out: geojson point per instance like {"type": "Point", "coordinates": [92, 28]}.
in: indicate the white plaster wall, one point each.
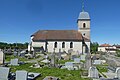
{"type": "Point", "coordinates": [102, 49]}
{"type": "Point", "coordinates": [112, 51]}
{"type": "Point", "coordinates": [77, 46]}
{"type": "Point", "coordinates": [31, 38]}
{"type": "Point", "coordinates": [29, 48]}
{"type": "Point", "coordinates": [85, 30]}
{"type": "Point", "coordinates": [80, 24]}
{"type": "Point", "coordinates": [38, 44]}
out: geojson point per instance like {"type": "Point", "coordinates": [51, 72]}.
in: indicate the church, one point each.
{"type": "Point", "coordinates": [64, 40]}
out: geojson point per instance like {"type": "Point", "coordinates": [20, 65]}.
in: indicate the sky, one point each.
{"type": "Point", "coordinates": [19, 19]}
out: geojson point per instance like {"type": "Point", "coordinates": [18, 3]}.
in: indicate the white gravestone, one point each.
{"type": "Point", "coordinates": [14, 62]}
{"type": "Point", "coordinates": [82, 57]}
{"type": "Point", "coordinates": [97, 62]}
{"type": "Point", "coordinates": [93, 73]}
{"type": "Point", "coordinates": [4, 72]}
{"type": "Point", "coordinates": [69, 65]}
{"type": "Point", "coordinates": [1, 57]}
{"type": "Point", "coordinates": [77, 60]}
{"type": "Point", "coordinates": [118, 72]}
{"type": "Point", "coordinates": [21, 75]}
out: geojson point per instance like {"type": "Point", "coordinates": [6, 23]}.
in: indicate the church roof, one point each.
{"type": "Point", "coordinates": [84, 15]}
{"type": "Point", "coordinates": [57, 35]}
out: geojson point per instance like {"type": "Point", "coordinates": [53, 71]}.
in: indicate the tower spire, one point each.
{"type": "Point", "coordinates": [82, 5]}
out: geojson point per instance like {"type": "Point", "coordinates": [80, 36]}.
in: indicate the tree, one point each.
{"type": "Point", "coordinates": [13, 45]}
{"type": "Point", "coordinates": [118, 53]}
{"type": "Point", "coordinates": [94, 47]}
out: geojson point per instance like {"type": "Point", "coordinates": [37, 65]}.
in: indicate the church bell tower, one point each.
{"type": "Point", "coordinates": [84, 23]}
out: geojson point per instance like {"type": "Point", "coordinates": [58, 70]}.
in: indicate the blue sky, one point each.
{"type": "Point", "coordinates": [21, 18]}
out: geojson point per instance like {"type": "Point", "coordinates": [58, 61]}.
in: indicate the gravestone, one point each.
{"type": "Point", "coordinates": [59, 54]}
{"type": "Point", "coordinates": [45, 61]}
{"type": "Point", "coordinates": [77, 60]}
{"type": "Point", "coordinates": [14, 62]}
{"type": "Point", "coordinates": [52, 62]}
{"type": "Point", "coordinates": [118, 72]}
{"type": "Point", "coordinates": [82, 57]}
{"type": "Point", "coordinates": [87, 61]}
{"type": "Point", "coordinates": [15, 53]}
{"type": "Point", "coordinates": [33, 76]}
{"type": "Point", "coordinates": [1, 57]}
{"type": "Point", "coordinates": [97, 62]}
{"type": "Point", "coordinates": [50, 78]}
{"type": "Point", "coordinates": [93, 73]}
{"type": "Point", "coordinates": [73, 56]}
{"type": "Point", "coordinates": [69, 65]}
{"type": "Point", "coordinates": [21, 75]}
{"type": "Point", "coordinates": [4, 72]}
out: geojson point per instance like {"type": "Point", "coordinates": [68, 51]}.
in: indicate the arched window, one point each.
{"type": "Point", "coordinates": [71, 45]}
{"type": "Point", "coordinates": [63, 45]}
{"type": "Point", "coordinates": [84, 25]}
{"type": "Point", "coordinates": [55, 45]}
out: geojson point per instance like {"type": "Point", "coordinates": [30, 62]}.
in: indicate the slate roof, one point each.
{"type": "Point", "coordinates": [84, 15]}
{"type": "Point", "coordinates": [58, 35]}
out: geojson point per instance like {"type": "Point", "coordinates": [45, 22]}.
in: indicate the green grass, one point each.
{"type": "Point", "coordinates": [9, 57]}
{"type": "Point", "coordinates": [63, 74]}
{"type": "Point", "coordinates": [102, 69]}
{"type": "Point", "coordinates": [63, 61]}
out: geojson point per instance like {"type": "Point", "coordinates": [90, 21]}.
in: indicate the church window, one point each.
{"type": "Point", "coordinates": [71, 45]}
{"type": "Point", "coordinates": [55, 45]}
{"type": "Point", "coordinates": [84, 25]}
{"type": "Point", "coordinates": [84, 34]}
{"type": "Point", "coordinates": [63, 45]}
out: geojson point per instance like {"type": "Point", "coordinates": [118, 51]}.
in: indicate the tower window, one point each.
{"type": "Point", "coordinates": [71, 45]}
{"type": "Point", "coordinates": [84, 25]}
{"type": "Point", "coordinates": [84, 34]}
{"type": "Point", "coordinates": [55, 45]}
{"type": "Point", "coordinates": [63, 45]}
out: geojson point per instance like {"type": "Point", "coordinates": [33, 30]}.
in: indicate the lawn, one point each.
{"type": "Point", "coordinates": [102, 68]}
{"type": "Point", "coordinates": [64, 61]}
{"type": "Point", "coordinates": [63, 74]}
{"type": "Point", "coordinates": [9, 57]}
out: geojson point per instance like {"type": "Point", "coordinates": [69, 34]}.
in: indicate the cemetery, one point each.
{"type": "Point", "coordinates": [39, 68]}
{"type": "Point", "coordinates": [45, 66]}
